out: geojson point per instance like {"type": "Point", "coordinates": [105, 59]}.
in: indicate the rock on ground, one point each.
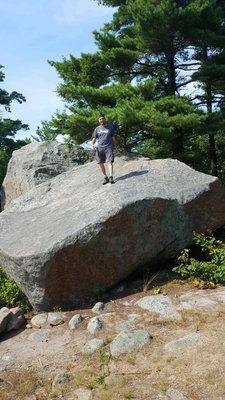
{"type": "Point", "coordinates": [98, 307]}
{"type": "Point", "coordinates": [11, 319]}
{"type": "Point", "coordinates": [124, 326]}
{"type": "Point", "coordinates": [94, 325]}
{"type": "Point", "coordinates": [5, 315]}
{"type": "Point", "coordinates": [64, 244]}
{"type": "Point", "coordinates": [199, 300]}
{"type": "Point", "coordinates": [55, 318]}
{"type": "Point", "coordinates": [190, 340]}
{"type": "Point", "coordinates": [40, 336]}
{"type": "Point", "coordinates": [75, 321]}
{"type": "Point", "coordinates": [159, 304]}
{"type": "Point", "coordinates": [17, 319]}
{"type": "Point", "coordinates": [127, 342]}
{"type": "Point", "coordinates": [39, 320]}
{"type": "Point", "coordinates": [92, 345]}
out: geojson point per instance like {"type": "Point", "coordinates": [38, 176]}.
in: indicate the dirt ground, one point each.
{"type": "Point", "coordinates": [169, 367]}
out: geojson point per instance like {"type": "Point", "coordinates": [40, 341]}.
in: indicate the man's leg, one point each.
{"type": "Point", "coordinates": [100, 158]}
{"type": "Point", "coordinates": [110, 160]}
{"type": "Point", "coordinates": [110, 164]}
{"type": "Point", "coordinates": [102, 167]}
{"type": "Point", "coordinates": [110, 168]}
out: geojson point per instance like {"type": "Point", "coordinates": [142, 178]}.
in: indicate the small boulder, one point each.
{"type": "Point", "coordinates": [5, 315]}
{"type": "Point", "coordinates": [94, 325]}
{"type": "Point", "coordinates": [193, 339]}
{"type": "Point", "coordinates": [75, 321]}
{"type": "Point", "coordinates": [17, 319]}
{"type": "Point", "coordinates": [159, 304]}
{"type": "Point", "coordinates": [98, 307]}
{"type": "Point", "coordinates": [55, 318]}
{"type": "Point", "coordinates": [127, 342]}
{"type": "Point", "coordinates": [40, 336]}
{"type": "Point", "coordinates": [198, 300]}
{"type": "Point", "coordinates": [39, 320]}
{"type": "Point", "coordinates": [124, 326]}
{"type": "Point", "coordinates": [92, 345]}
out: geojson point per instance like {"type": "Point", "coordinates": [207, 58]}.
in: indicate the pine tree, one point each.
{"type": "Point", "coordinates": [147, 56]}
{"type": "Point", "coordinates": [8, 127]}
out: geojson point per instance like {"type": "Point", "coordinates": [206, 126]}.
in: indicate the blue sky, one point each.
{"type": "Point", "coordinates": [33, 31]}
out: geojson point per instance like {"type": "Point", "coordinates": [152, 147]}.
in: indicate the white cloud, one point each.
{"type": "Point", "coordinates": [70, 11]}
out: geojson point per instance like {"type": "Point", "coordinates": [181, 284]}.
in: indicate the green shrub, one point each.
{"type": "Point", "coordinates": [211, 269]}
{"type": "Point", "coordinates": [10, 294]}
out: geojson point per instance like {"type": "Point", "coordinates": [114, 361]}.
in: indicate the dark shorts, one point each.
{"type": "Point", "coordinates": [104, 155]}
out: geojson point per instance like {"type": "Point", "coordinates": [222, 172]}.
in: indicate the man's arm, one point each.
{"type": "Point", "coordinates": [94, 137]}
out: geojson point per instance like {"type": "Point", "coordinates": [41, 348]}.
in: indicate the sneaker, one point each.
{"type": "Point", "coordinates": [106, 180]}
{"type": "Point", "coordinates": [111, 179]}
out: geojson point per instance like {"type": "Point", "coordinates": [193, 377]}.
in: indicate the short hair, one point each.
{"type": "Point", "coordinates": [102, 116]}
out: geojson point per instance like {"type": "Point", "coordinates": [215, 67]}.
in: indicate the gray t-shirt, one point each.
{"type": "Point", "coordinates": [104, 134]}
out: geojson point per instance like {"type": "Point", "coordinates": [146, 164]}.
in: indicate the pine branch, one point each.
{"type": "Point", "coordinates": [184, 83]}
{"type": "Point", "coordinates": [187, 65]}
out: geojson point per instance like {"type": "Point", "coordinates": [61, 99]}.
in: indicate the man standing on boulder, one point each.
{"type": "Point", "coordinates": [104, 151]}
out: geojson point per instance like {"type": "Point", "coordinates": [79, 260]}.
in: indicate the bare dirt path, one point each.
{"type": "Point", "coordinates": [183, 360]}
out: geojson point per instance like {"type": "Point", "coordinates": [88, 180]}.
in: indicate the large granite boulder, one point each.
{"type": "Point", "coordinates": [30, 166]}
{"type": "Point", "coordinates": [37, 163]}
{"type": "Point", "coordinates": [63, 244]}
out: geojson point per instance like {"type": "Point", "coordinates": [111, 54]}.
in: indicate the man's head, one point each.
{"type": "Point", "coordinates": [102, 120]}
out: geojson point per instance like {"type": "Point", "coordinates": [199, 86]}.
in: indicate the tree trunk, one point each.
{"type": "Point", "coordinates": [178, 147]}
{"type": "Point", "coordinates": [171, 71]}
{"type": "Point", "coordinates": [177, 143]}
{"type": "Point", "coordinates": [212, 143]}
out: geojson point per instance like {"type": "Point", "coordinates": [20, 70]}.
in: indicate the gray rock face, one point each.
{"type": "Point", "coordinates": [31, 165]}
{"type": "Point", "coordinates": [127, 342]}
{"type": "Point", "coordinates": [60, 245]}
{"type": "Point", "coordinates": [36, 163]}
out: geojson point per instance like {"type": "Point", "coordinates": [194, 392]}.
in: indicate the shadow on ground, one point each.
{"type": "Point", "coordinates": [131, 174]}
